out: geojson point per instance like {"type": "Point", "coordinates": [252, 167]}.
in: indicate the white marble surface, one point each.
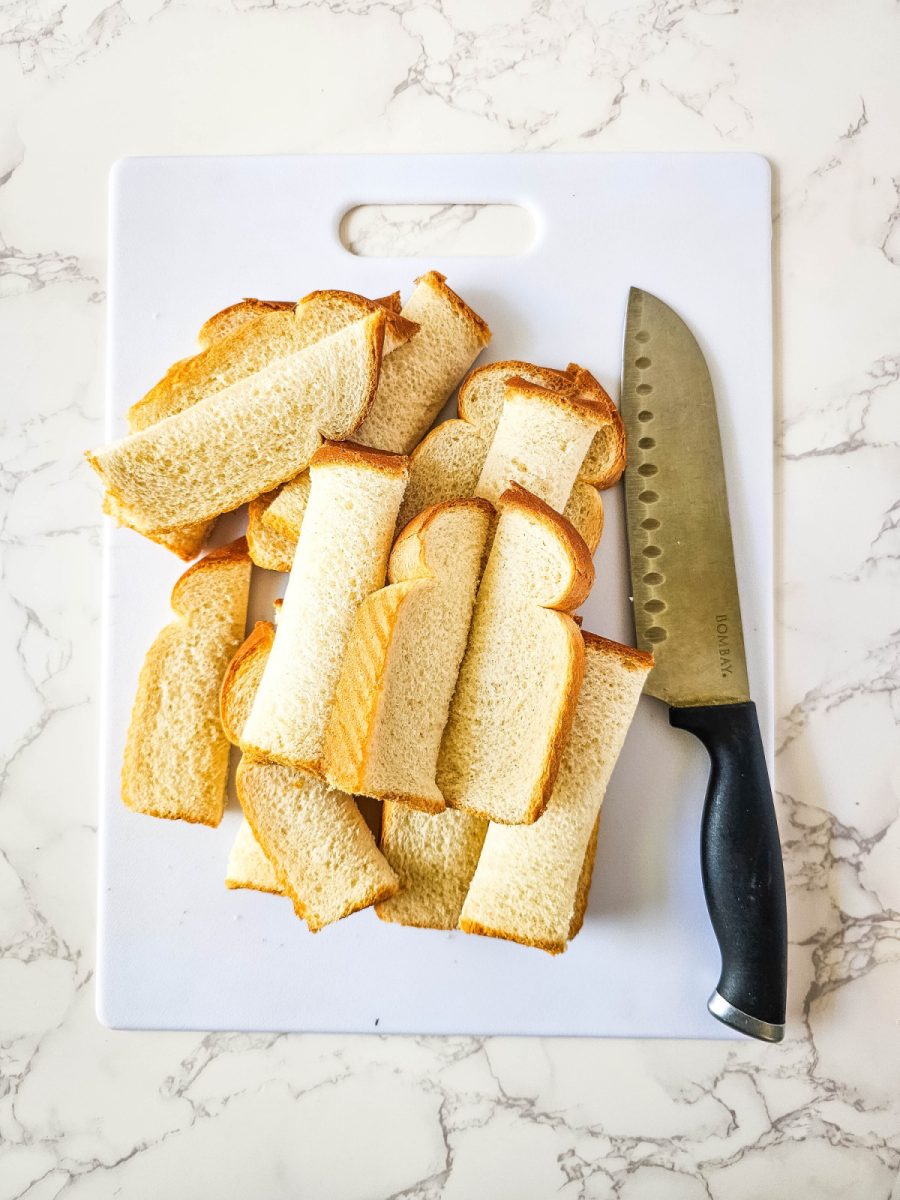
{"type": "Point", "coordinates": [90, 1113]}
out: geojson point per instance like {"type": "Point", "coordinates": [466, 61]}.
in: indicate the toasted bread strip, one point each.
{"type": "Point", "coordinates": [521, 674]}
{"type": "Point", "coordinates": [399, 672]}
{"type": "Point", "coordinates": [238, 443]}
{"type": "Point", "coordinates": [530, 885]}
{"type": "Point", "coordinates": [341, 557]}
{"type": "Point", "coordinates": [176, 755]}
{"type": "Point", "coordinates": [450, 460]}
{"type": "Point", "coordinates": [223, 323]}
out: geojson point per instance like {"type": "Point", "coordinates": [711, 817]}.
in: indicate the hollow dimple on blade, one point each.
{"type": "Point", "coordinates": [686, 604]}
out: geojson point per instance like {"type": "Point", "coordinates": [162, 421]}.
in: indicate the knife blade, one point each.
{"type": "Point", "coordinates": [687, 613]}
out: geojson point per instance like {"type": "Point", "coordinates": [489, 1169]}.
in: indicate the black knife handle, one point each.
{"type": "Point", "coordinates": [743, 875]}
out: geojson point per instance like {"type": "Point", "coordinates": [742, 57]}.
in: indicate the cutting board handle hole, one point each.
{"type": "Point", "coordinates": [447, 230]}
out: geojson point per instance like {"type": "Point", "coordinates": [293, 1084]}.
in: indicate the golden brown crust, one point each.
{"type": "Point", "coordinates": [400, 328]}
{"type": "Point", "coordinates": [629, 656]}
{"type": "Point", "coordinates": [615, 432]}
{"type": "Point", "coordinates": [269, 547]}
{"type": "Point", "coordinates": [205, 809]}
{"type": "Point", "coordinates": [235, 886]}
{"type": "Point", "coordinates": [468, 925]}
{"type": "Point", "coordinates": [418, 529]}
{"type": "Point", "coordinates": [392, 302]}
{"type": "Point", "coordinates": [344, 454]}
{"type": "Point", "coordinates": [220, 324]}
{"type": "Point", "coordinates": [252, 653]}
{"type": "Point", "coordinates": [574, 400]}
{"type": "Point", "coordinates": [520, 498]}
{"type": "Point", "coordinates": [437, 281]}
{"type": "Point", "coordinates": [511, 367]}
{"type": "Point", "coordinates": [185, 541]}
{"type": "Point", "coordinates": [235, 551]}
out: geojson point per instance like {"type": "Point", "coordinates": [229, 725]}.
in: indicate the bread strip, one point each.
{"type": "Point", "coordinates": [418, 379]}
{"type": "Point", "coordinates": [527, 884]}
{"type": "Point", "coordinates": [521, 673]}
{"type": "Point", "coordinates": [248, 866]}
{"type": "Point", "coordinates": [341, 557]}
{"type": "Point", "coordinates": [321, 849]}
{"type": "Point", "coordinates": [283, 515]}
{"type": "Point", "coordinates": [434, 857]}
{"type": "Point", "coordinates": [268, 548]}
{"type": "Point", "coordinates": [238, 443]}
{"type": "Point", "coordinates": [176, 755]}
{"type": "Point", "coordinates": [449, 461]}
{"type": "Point", "coordinates": [400, 669]}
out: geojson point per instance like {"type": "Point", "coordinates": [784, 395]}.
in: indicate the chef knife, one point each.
{"type": "Point", "coordinates": [687, 612]}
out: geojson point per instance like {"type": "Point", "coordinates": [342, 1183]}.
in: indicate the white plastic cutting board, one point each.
{"type": "Point", "coordinates": [189, 236]}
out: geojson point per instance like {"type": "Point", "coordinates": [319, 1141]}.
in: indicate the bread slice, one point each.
{"type": "Point", "coordinates": [184, 540]}
{"type": "Point", "coordinates": [419, 377]}
{"type": "Point", "coordinates": [322, 851]}
{"type": "Point", "coordinates": [402, 660]}
{"type": "Point", "coordinates": [541, 441]}
{"type": "Point", "coordinates": [449, 461]}
{"type": "Point", "coordinates": [531, 881]}
{"type": "Point", "coordinates": [248, 866]}
{"type": "Point", "coordinates": [313, 845]}
{"type": "Point", "coordinates": [434, 858]}
{"type": "Point", "coordinates": [341, 557]}
{"type": "Point", "coordinates": [252, 337]}
{"type": "Point", "coordinates": [268, 549]}
{"type": "Point", "coordinates": [283, 515]}
{"type": "Point", "coordinates": [176, 755]}
{"type": "Point", "coordinates": [520, 677]}
{"type": "Point", "coordinates": [244, 440]}
{"type": "Point", "coordinates": [416, 381]}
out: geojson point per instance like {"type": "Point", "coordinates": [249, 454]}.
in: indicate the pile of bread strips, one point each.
{"type": "Point", "coordinates": [424, 654]}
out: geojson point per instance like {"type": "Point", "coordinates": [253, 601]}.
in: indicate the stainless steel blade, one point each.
{"type": "Point", "coordinates": [686, 605]}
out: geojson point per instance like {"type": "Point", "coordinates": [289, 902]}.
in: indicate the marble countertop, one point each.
{"type": "Point", "coordinates": [90, 1113]}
